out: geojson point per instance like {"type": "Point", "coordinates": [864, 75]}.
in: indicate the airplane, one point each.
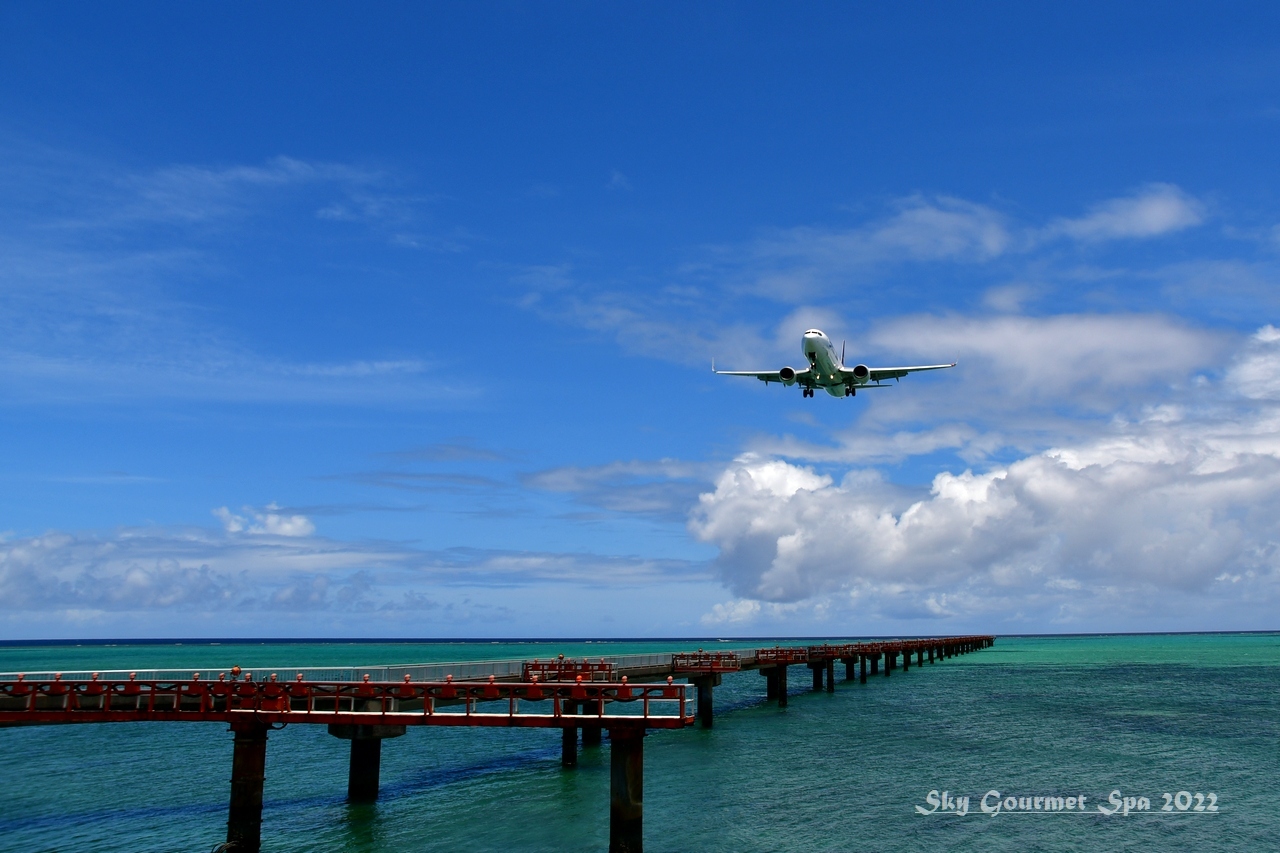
{"type": "Point", "coordinates": [827, 371]}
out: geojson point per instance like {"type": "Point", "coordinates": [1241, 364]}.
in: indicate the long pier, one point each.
{"type": "Point", "coordinates": [623, 695]}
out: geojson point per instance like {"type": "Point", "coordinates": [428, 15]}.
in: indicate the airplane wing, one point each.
{"type": "Point", "coordinates": [876, 374]}
{"type": "Point", "coordinates": [765, 375]}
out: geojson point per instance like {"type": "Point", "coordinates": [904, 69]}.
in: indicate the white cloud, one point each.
{"type": "Point", "coordinates": [1022, 383]}
{"type": "Point", "coordinates": [95, 303]}
{"type": "Point", "coordinates": [268, 521]}
{"type": "Point", "coordinates": [1155, 210]}
{"type": "Point", "coordinates": [270, 560]}
{"type": "Point", "coordinates": [1256, 372]}
{"type": "Point", "coordinates": [1059, 356]}
{"type": "Point", "coordinates": [791, 263]}
{"type": "Point", "coordinates": [664, 488]}
{"type": "Point", "coordinates": [1180, 510]}
{"type": "Point", "coordinates": [732, 612]}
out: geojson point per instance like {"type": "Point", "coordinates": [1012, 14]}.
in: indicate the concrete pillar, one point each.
{"type": "Point", "coordinates": [888, 662]}
{"type": "Point", "coordinates": [863, 676]}
{"type": "Point", "coordinates": [817, 674]}
{"type": "Point", "coordinates": [782, 686]}
{"type": "Point", "coordinates": [906, 660]}
{"type": "Point", "coordinates": [248, 770]}
{"type": "Point", "coordinates": [366, 758]}
{"type": "Point", "coordinates": [831, 675]}
{"type": "Point", "coordinates": [850, 668]}
{"type": "Point", "coordinates": [919, 657]}
{"type": "Point", "coordinates": [706, 707]}
{"type": "Point", "coordinates": [875, 663]}
{"type": "Point", "coordinates": [569, 737]}
{"type": "Point", "coordinates": [931, 654]}
{"type": "Point", "coordinates": [591, 735]}
{"type": "Point", "coordinates": [362, 772]}
{"type": "Point", "coordinates": [626, 790]}
{"type": "Point", "coordinates": [770, 682]}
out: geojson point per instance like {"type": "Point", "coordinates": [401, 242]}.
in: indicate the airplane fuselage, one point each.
{"type": "Point", "coordinates": [825, 369]}
{"type": "Point", "coordinates": [825, 363]}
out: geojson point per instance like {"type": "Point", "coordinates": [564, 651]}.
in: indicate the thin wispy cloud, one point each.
{"type": "Point", "coordinates": [96, 295]}
{"type": "Point", "coordinates": [1154, 211]}
{"type": "Point", "coordinates": [834, 276]}
{"type": "Point", "coordinates": [269, 561]}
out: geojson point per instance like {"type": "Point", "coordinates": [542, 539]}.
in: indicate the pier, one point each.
{"type": "Point", "coordinates": [622, 696]}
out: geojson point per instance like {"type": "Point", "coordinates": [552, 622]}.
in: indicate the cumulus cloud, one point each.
{"type": "Point", "coordinates": [1181, 506]}
{"type": "Point", "coordinates": [1155, 210]}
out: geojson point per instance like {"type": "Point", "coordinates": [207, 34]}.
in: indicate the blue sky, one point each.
{"type": "Point", "coordinates": [398, 322]}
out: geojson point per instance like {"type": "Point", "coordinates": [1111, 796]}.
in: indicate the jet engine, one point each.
{"type": "Point", "coordinates": [787, 375]}
{"type": "Point", "coordinates": [861, 374]}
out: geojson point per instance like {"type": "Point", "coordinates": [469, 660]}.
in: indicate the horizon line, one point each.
{"type": "Point", "coordinates": [135, 641]}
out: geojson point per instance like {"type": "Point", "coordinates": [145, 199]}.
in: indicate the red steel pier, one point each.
{"type": "Point", "coordinates": [371, 704]}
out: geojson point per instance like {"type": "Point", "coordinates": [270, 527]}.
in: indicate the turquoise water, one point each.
{"type": "Point", "coordinates": [844, 771]}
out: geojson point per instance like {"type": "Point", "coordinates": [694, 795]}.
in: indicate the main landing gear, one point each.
{"type": "Point", "coordinates": [807, 392]}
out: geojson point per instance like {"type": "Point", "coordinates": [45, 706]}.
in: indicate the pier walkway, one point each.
{"type": "Point", "coordinates": [624, 695]}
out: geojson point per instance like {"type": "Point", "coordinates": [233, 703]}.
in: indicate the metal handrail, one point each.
{"type": "Point", "coordinates": [399, 703]}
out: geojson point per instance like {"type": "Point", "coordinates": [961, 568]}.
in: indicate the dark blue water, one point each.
{"type": "Point", "coordinates": [843, 771]}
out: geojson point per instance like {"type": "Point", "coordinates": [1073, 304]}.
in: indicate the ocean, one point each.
{"type": "Point", "coordinates": [1077, 716]}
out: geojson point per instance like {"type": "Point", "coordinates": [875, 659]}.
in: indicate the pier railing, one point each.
{"type": "Point", "coordinates": [459, 703]}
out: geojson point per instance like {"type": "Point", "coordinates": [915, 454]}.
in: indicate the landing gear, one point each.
{"type": "Point", "coordinates": [807, 392]}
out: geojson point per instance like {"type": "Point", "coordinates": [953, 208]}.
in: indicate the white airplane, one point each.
{"type": "Point", "coordinates": [826, 370]}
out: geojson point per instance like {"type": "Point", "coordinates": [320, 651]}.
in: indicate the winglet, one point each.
{"type": "Point", "coordinates": [713, 364]}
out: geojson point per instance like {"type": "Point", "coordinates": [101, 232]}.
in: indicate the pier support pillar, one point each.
{"type": "Point", "coordinates": [569, 738]}
{"type": "Point", "coordinates": [363, 770]}
{"type": "Point", "coordinates": [906, 660]}
{"type": "Point", "coordinates": [366, 758]}
{"type": "Point", "coordinates": [248, 770]}
{"type": "Point", "coordinates": [626, 790]}
{"type": "Point", "coordinates": [770, 682]}
{"type": "Point", "coordinates": [875, 664]}
{"type": "Point", "coordinates": [888, 662]}
{"type": "Point", "coordinates": [706, 698]}
{"type": "Point", "coordinates": [782, 686]}
{"type": "Point", "coordinates": [591, 735]}
{"type": "Point", "coordinates": [862, 677]}
{"type": "Point", "coordinates": [931, 654]}
{"type": "Point", "coordinates": [818, 669]}
{"type": "Point", "coordinates": [850, 668]}
{"type": "Point", "coordinates": [831, 675]}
